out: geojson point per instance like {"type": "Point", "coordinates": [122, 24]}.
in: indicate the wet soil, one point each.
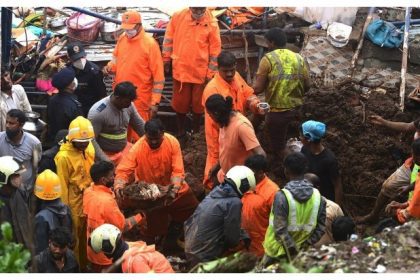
{"type": "Point", "coordinates": [367, 154]}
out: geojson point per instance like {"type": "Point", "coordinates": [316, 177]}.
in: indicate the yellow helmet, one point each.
{"type": "Point", "coordinates": [47, 186]}
{"type": "Point", "coordinates": [80, 130]}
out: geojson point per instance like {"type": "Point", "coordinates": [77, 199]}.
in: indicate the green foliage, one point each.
{"type": "Point", "coordinates": [13, 257]}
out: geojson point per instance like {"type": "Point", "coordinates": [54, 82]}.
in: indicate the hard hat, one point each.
{"type": "Point", "coordinates": [9, 166]}
{"type": "Point", "coordinates": [47, 186]}
{"type": "Point", "coordinates": [242, 178]}
{"type": "Point", "coordinates": [104, 238]}
{"type": "Point", "coordinates": [80, 130]}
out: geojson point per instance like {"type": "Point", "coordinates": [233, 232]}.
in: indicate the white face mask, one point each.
{"type": "Point", "coordinates": [131, 33]}
{"type": "Point", "coordinates": [197, 17]}
{"type": "Point", "coordinates": [80, 63]}
{"type": "Point", "coordinates": [76, 83]}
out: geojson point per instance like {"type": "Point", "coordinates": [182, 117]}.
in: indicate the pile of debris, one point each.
{"type": "Point", "coordinates": [143, 196]}
{"type": "Point", "coordinates": [396, 250]}
{"type": "Point", "coordinates": [367, 154]}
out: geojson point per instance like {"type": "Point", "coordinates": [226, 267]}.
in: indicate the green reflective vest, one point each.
{"type": "Point", "coordinates": [286, 79]}
{"type": "Point", "coordinates": [413, 178]}
{"type": "Point", "coordinates": [302, 220]}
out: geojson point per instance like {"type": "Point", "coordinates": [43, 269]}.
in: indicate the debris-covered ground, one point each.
{"type": "Point", "coordinates": [367, 154]}
{"type": "Point", "coordinates": [396, 250]}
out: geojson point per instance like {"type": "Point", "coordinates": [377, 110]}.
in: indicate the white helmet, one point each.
{"type": "Point", "coordinates": [242, 178]}
{"type": "Point", "coordinates": [104, 238]}
{"type": "Point", "coordinates": [9, 166]}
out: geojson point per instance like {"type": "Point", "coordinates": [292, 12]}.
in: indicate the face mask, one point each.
{"type": "Point", "coordinates": [80, 63]}
{"type": "Point", "coordinates": [131, 33]}
{"type": "Point", "coordinates": [197, 16]}
{"type": "Point", "coordinates": [12, 133]}
{"type": "Point", "coordinates": [76, 83]}
{"type": "Point", "coordinates": [110, 183]}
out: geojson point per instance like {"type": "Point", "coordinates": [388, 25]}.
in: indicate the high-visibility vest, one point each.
{"type": "Point", "coordinates": [286, 79]}
{"type": "Point", "coordinates": [413, 178]}
{"type": "Point", "coordinates": [302, 220]}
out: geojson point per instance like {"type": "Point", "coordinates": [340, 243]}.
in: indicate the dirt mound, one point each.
{"type": "Point", "coordinates": [396, 250]}
{"type": "Point", "coordinates": [194, 155]}
{"type": "Point", "coordinates": [367, 154]}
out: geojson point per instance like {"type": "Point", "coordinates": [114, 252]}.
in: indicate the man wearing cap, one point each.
{"type": "Point", "coordinates": [321, 160]}
{"type": "Point", "coordinates": [91, 85]}
{"type": "Point", "coordinates": [192, 43]}
{"type": "Point", "coordinates": [64, 106]}
{"type": "Point", "coordinates": [137, 59]}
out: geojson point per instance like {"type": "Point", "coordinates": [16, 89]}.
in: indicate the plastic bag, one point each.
{"type": "Point", "coordinates": [384, 34]}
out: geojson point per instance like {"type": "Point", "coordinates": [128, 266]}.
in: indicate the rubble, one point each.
{"type": "Point", "coordinates": [395, 250]}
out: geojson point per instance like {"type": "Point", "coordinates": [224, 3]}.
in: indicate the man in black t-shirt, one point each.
{"type": "Point", "coordinates": [322, 160]}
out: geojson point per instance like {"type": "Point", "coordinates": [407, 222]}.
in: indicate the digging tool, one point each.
{"type": "Point", "coordinates": [404, 58]}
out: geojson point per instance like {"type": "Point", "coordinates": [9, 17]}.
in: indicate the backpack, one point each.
{"type": "Point", "coordinates": [384, 34]}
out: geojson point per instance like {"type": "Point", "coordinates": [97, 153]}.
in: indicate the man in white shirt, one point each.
{"type": "Point", "coordinates": [11, 97]}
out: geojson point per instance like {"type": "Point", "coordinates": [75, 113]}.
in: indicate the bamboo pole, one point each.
{"type": "Point", "coordinates": [404, 58]}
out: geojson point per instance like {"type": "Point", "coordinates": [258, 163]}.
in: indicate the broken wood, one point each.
{"type": "Point", "coordinates": [361, 39]}
{"type": "Point", "coordinates": [404, 58]}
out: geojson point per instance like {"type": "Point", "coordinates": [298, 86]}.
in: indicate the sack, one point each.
{"type": "Point", "coordinates": [384, 34]}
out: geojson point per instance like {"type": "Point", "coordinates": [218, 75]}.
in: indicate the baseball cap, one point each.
{"type": "Point", "coordinates": [130, 19]}
{"type": "Point", "coordinates": [75, 51]}
{"type": "Point", "coordinates": [313, 130]}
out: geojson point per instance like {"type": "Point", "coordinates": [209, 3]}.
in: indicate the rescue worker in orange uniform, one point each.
{"type": "Point", "coordinates": [100, 207]}
{"type": "Point", "coordinates": [128, 257]}
{"type": "Point", "coordinates": [256, 204]}
{"type": "Point", "coordinates": [157, 158]}
{"type": "Point", "coordinates": [192, 43]}
{"type": "Point", "coordinates": [226, 82]}
{"type": "Point", "coordinates": [237, 139]}
{"type": "Point", "coordinates": [137, 58]}
{"type": "Point", "coordinates": [73, 161]}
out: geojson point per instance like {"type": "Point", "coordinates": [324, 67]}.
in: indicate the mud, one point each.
{"type": "Point", "coordinates": [367, 154]}
{"type": "Point", "coordinates": [194, 155]}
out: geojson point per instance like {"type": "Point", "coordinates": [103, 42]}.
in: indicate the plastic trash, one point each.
{"type": "Point", "coordinates": [354, 250]}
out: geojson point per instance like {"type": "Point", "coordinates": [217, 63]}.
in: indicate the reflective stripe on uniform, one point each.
{"type": "Point", "coordinates": [114, 136]}
{"type": "Point", "coordinates": [292, 223]}
{"type": "Point", "coordinates": [176, 180]}
{"type": "Point", "coordinates": [157, 90]}
{"type": "Point", "coordinates": [159, 82]}
{"type": "Point", "coordinates": [213, 58]}
{"type": "Point", "coordinates": [167, 41]}
{"type": "Point", "coordinates": [167, 49]}
{"type": "Point", "coordinates": [212, 67]}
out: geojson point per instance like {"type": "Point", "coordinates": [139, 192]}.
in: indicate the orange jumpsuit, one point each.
{"type": "Point", "coordinates": [193, 47]}
{"type": "Point", "coordinates": [140, 258]}
{"type": "Point", "coordinates": [241, 93]}
{"type": "Point", "coordinates": [256, 207]}
{"type": "Point", "coordinates": [163, 166]}
{"type": "Point", "coordinates": [100, 207]}
{"type": "Point", "coordinates": [139, 61]}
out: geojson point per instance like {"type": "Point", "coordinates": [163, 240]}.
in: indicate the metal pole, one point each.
{"type": "Point", "coordinates": [404, 58]}
{"type": "Point", "coordinates": [264, 25]}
